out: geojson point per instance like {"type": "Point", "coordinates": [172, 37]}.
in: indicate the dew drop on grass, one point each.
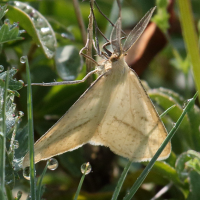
{"type": "Point", "coordinates": [22, 82]}
{"type": "Point", "coordinates": [186, 103]}
{"type": "Point", "coordinates": [23, 59]}
{"type": "Point", "coordinates": [16, 144]}
{"type": "Point", "coordinates": [1, 68]}
{"type": "Point", "coordinates": [26, 173]}
{"type": "Point", "coordinates": [86, 168]}
{"type": "Point", "coordinates": [53, 164]}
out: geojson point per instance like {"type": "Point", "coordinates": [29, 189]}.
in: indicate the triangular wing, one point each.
{"type": "Point", "coordinates": [131, 126]}
{"type": "Point", "coordinates": [78, 124]}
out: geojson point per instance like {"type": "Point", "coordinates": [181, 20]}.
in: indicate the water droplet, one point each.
{"type": "Point", "coordinates": [65, 35]}
{"type": "Point", "coordinates": [21, 113]}
{"type": "Point", "coordinates": [53, 164]}
{"type": "Point", "coordinates": [26, 173]}
{"type": "Point", "coordinates": [28, 9]}
{"type": "Point", "coordinates": [17, 3]}
{"type": "Point", "coordinates": [86, 168]}
{"type": "Point", "coordinates": [1, 68]}
{"type": "Point", "coordinates": [15, 24]}
{"type": "Point", "coordinates": [22, 82]}
{"type": "Point", "coordinates": [23, 59]}
{"type": "Point", "coordinates": [40, 23]}
{"type": "Point", "coordinates": [45, 30]}
{"type": "Point", "coordinates": [16, 144]}
{"type": "Point", "coordinates": [33, 14]}
{"type": "Point", "coordinates": [7, 21]}
{"type": "Point", "coordinates": [1, 133]}
{"type": "Point", "coordinates": [22, 31]}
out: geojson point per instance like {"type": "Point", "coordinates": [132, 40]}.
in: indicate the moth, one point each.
{"type": "Point", "coordinates": [115, 111]}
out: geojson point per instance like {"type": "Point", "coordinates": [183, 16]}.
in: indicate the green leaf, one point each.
{"type": "Point", "coordinates": [194, 119]}
{"type": "Point", "coordinates": [194, 180]}
{"type": "Point", "coordinates": [165, 99]}
{"type": "Point", "coordinates": [162, 17]}
{"type": "Point", "coordinates": [3, 11]}
{"type": "Point", "coordinates": [60, 29]}
{"type": "Point", "coordinates": [9, 32]}
{"type": "Point", "coordinates": [168, 172]}
{"type": "Point", "coordinates": [187, 161]}
{"type": "Point", "coordinates": [9, 175]}
{"type": "Point", "coordinates": [22, 138]}
{"type": "Point", "coordinates": [189, 127]}
{"type": "Point", "coordinates": [13, 83]}
{"type": "Point", "coordinates": [36, 25]}
{"type": "Point", "coordinates": [68, 62]}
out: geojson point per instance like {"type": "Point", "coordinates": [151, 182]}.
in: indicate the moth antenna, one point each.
{"type": "Point", "coordinates": [119, 5]}
{"type": "Point", "coordinates": [96, 26]}
{"type": "Point", "coordinates": [106, 16]}
{"type": "Point", "coordinates": [106, 50]}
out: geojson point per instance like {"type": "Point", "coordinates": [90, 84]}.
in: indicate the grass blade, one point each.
{"type": "Point", "coordinates": [190, 38]}
{"type": "Point", "coordinates": [39, 188]}
{"type": "Point", "coordinates": [3, 140]}
{"type": "Point", "coordinates": [87, 167]}
{"type": "Point", "coordinates": [31, 132]}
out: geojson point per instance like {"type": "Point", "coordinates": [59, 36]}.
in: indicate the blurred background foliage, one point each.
{"type": "Point", "coordinates": [159, 58]}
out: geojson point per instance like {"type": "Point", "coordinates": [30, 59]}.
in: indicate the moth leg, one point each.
{"type": "Point", "coordinates": [86, 56]}
{"type": "Point", "coordinates": [109, 53]}
{"type": "Point", "coordinates": [66, 82]}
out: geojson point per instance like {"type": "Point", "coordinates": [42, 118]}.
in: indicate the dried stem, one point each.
{"type": "Point", "coordinates": [80, 20]}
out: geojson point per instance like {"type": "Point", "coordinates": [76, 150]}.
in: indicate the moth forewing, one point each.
{"type": "Point", "coordinates": [138, 30]}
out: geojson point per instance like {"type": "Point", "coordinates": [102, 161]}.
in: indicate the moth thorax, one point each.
{"type": "Point", "coordinates": [114, 57]}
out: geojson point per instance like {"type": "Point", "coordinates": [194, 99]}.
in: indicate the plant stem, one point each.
{"type": "Point", "coordinates": [147, 169]}
{"type": "Point", "coordinates": [80, 20]}
{"type": "Point", "coordinates": [89, 63]}
{"type": "Point", "coordinates": [121, 181]}
{"type": "Point", "coordinates": [190, 38]}
{"type": "Point", "coordinates": [31, 133]}
{"type": "Point", "coordinates": [3, 140]}
{"type": "Point", "coordinates": [40, 181]}
{"type": "Point", "coordinates": [81, 182]}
